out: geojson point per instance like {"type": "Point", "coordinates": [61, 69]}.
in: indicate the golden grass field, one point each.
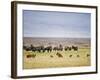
{"type": "Point", "coordinates": [43, 60]}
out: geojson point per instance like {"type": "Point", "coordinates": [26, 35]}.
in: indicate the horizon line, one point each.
{"type": "Point", "coordinates": [55, 37]}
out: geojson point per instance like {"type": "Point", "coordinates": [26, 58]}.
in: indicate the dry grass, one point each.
{"type": "Point", "coordinates": [44, 60]}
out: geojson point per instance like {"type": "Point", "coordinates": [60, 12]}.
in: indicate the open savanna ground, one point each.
{"type": "Point", "coordinates": [51, 59]}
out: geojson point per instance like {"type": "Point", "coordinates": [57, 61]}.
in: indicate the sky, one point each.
{"type": "Point", "coordinates": [56, 24]}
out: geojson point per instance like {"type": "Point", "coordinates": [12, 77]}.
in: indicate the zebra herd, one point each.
{"type": "Point", "coordinates": [50, 48]}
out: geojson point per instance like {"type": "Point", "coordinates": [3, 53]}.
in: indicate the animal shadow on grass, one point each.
{"type": "Point", "coordinates": [88, 55]}
{"type": "Point", "coordinates": [78, 56]}
{"type": "Point", "coordinates": [51, 56]}
{"type": "Point", "coordinates": [70, 56]}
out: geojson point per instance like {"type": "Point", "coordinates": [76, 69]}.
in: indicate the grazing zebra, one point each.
{"type": "Point", "coordinates": [31, 56]}
{"type": "Point", "coordinates": [59, 55]}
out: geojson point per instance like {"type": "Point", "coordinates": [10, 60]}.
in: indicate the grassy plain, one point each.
{"type": "Point", "coordinates": [44, 60]}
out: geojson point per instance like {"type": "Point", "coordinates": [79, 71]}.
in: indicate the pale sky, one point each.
{"type": "Point", "coordinates": [56, 24]}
